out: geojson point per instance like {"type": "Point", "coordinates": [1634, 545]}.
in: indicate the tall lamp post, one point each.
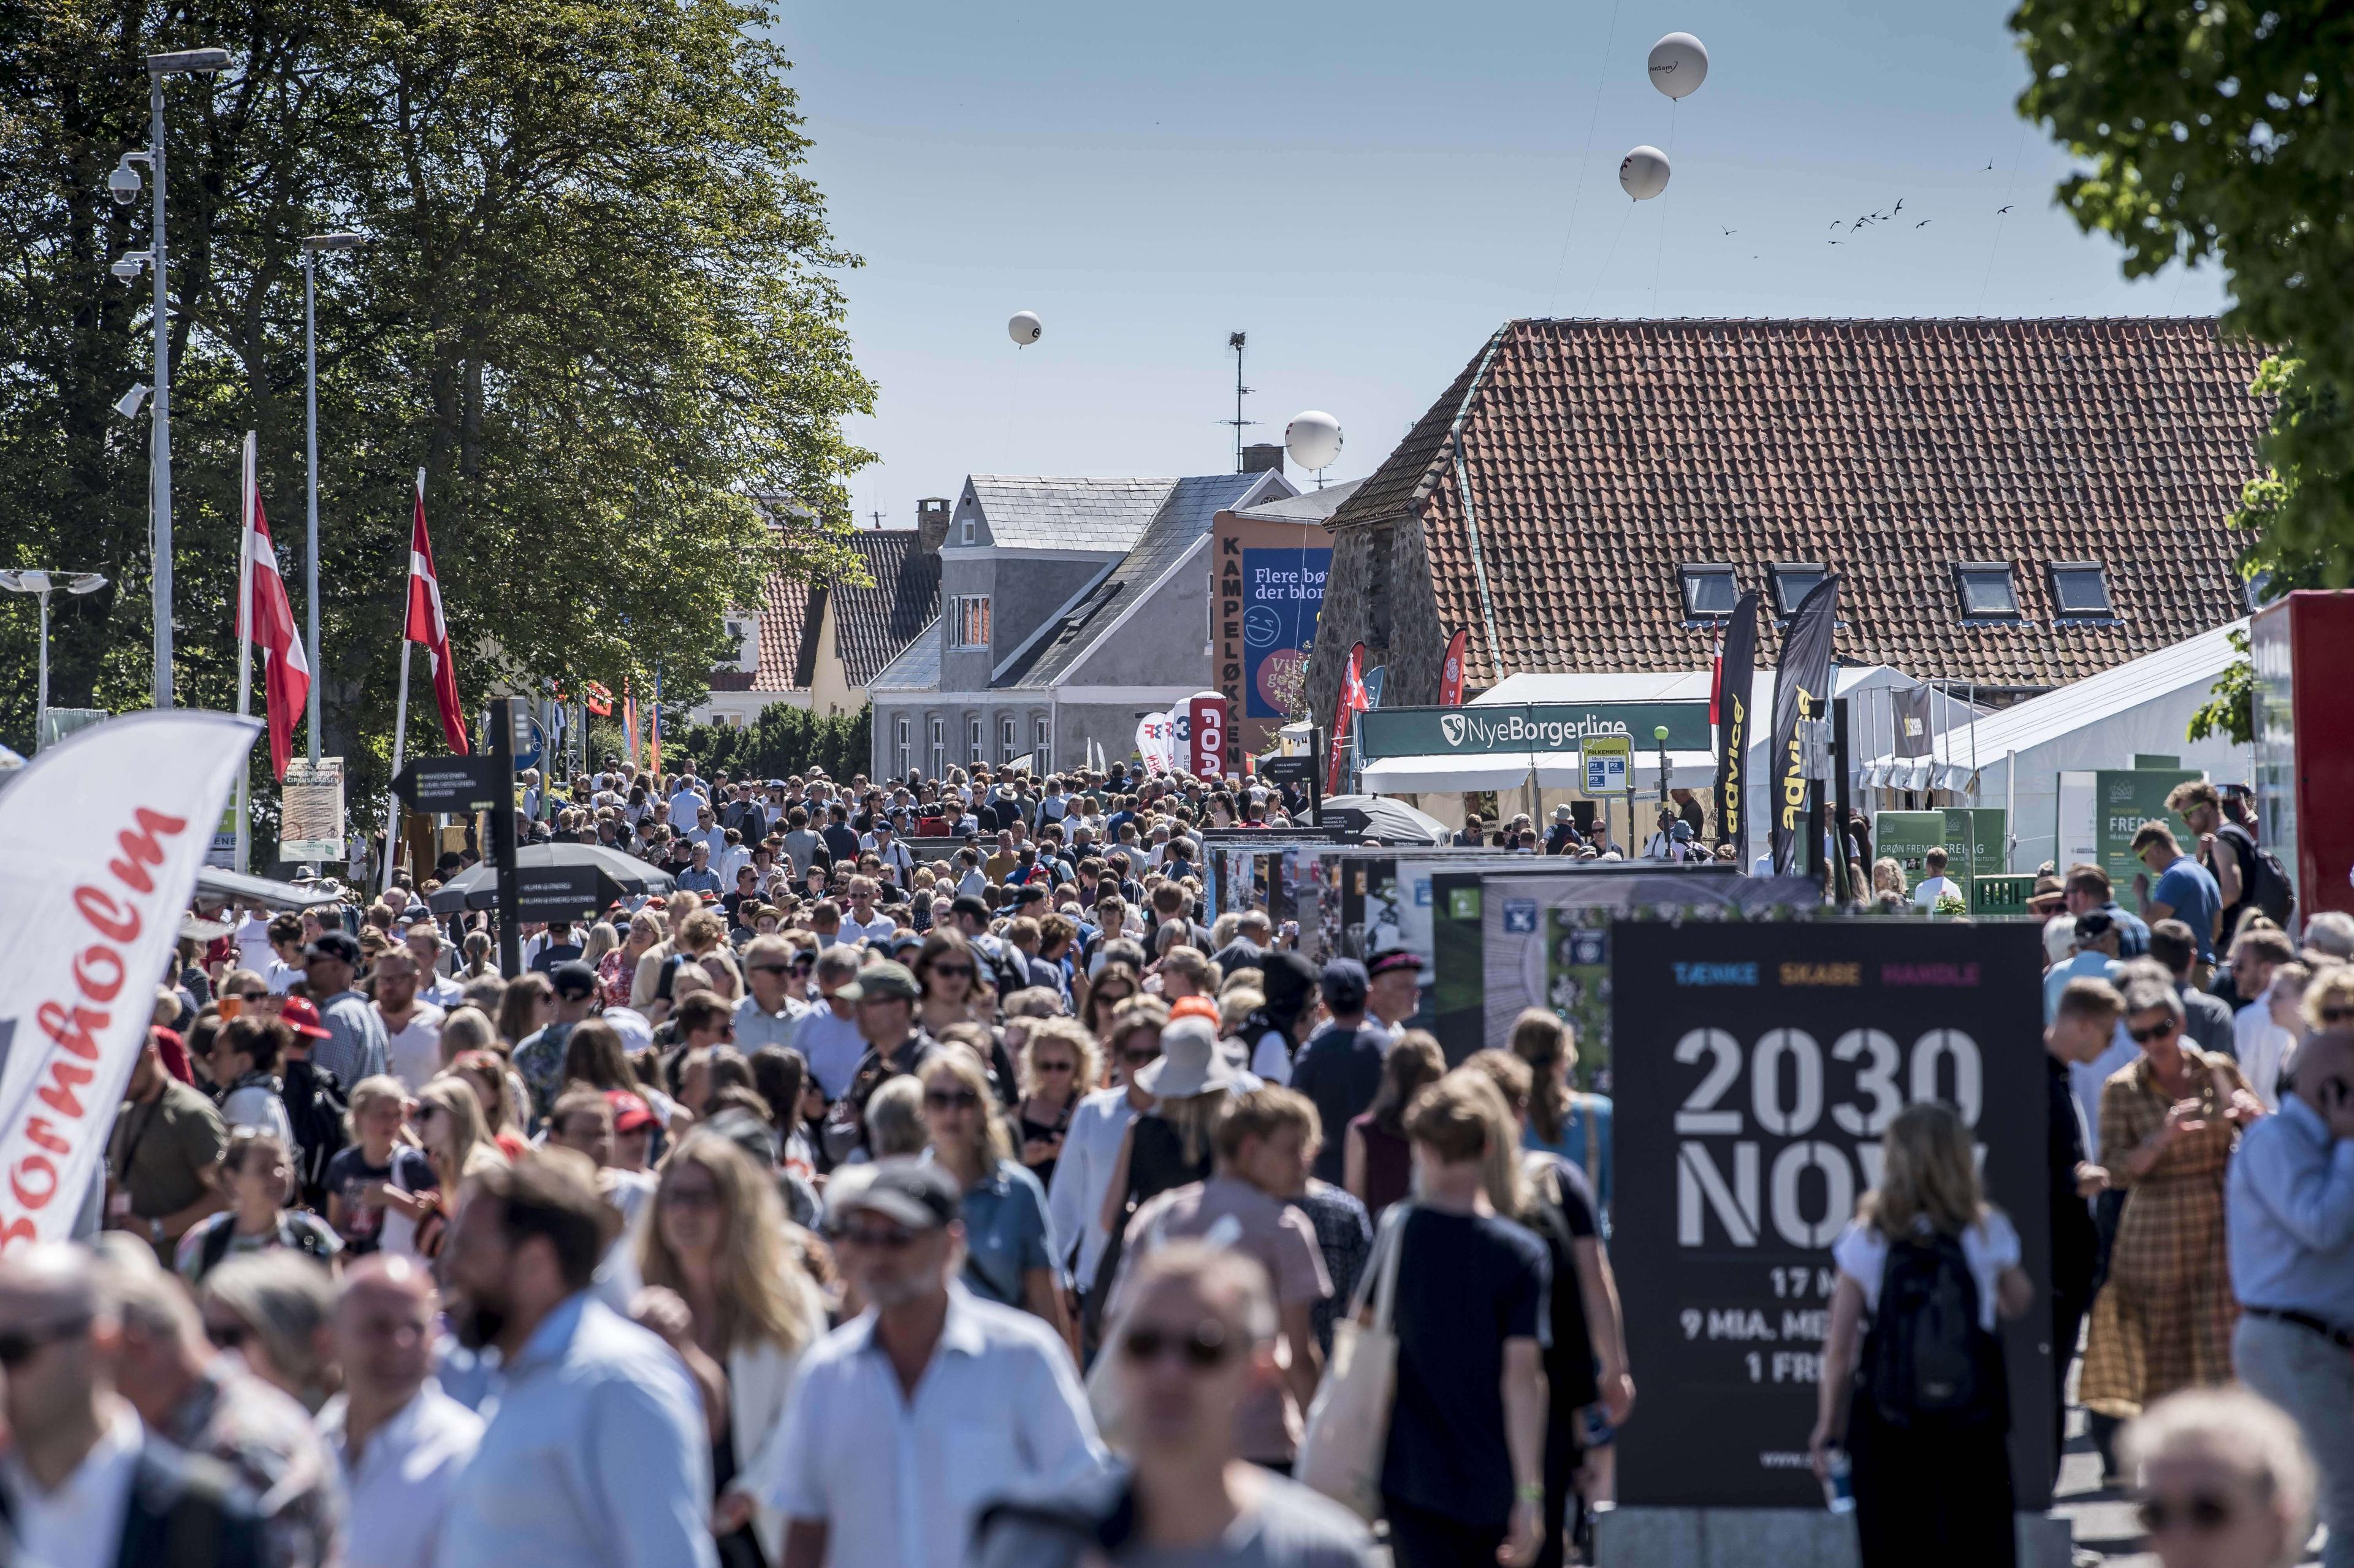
{"type": "Point", "coordinates": [311, 245]}
{"type": "Point", "coordinates": [123, 184]}
{"type": "Point", "coordinates": [40, 585]}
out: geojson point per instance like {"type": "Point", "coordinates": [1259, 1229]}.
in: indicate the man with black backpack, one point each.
{"type": "Point", "coordinates": [2248, 876]}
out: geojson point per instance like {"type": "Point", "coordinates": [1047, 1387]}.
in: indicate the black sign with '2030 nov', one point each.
{"type": "Point", "coordinates": [1756, 1065]}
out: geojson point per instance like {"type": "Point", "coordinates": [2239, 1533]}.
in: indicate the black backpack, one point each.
{"type": "Point", "coordinates": [1928, 1361]}
{"type": "Point", "coordinates": [315, 1109]}
{"type": "Point", "coordinates": [301, 1238]}
{"type": "Point", "coordinates": [2263, 880]}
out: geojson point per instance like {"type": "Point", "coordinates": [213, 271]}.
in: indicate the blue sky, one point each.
{"type": "Point", "coordinates": [1368, 188]}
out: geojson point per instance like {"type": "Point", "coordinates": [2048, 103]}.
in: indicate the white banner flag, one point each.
{"type": "Point", "coordinates": [1156, 743]}
{"type": "Point", "coordinates": [101, 840]}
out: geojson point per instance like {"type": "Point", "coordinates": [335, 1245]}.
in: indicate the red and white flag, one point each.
{"type": "Point", "coordinates": [266, 619]}
{"type": "Point", "coordinates": [426, 625]}
{"type": "Point", "coordinates": [1352, 701]}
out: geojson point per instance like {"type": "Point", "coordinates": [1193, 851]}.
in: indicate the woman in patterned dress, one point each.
{"type": "Point", "coordinates": [2169, 1121]}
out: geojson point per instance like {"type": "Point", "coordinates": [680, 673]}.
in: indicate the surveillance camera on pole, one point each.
{"type": "Point", "coordinates": [123, 184]}
{"type": "Point", "coordinates": [130, 263]}
{"type": "Point", "coordinates": [129, 404]}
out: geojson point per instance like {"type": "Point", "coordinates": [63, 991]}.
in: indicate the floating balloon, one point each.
{"type": "Point", "coordinates": [1643, 173]}
{"type": "Point", "coordinates": [1313, 440]}
{"type": "Point", "coordinates": [1024, 328]}
{"type": "Point", "coordinates": [1679, 65]}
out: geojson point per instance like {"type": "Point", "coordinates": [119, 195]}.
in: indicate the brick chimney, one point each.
{"type": "Point", "coordinates": [932, 522]}
{"type": "Point", "coordinates": [1263, 457]}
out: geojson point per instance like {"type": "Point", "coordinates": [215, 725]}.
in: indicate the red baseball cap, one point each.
{"type": "Point", "coordinates": [629, 1111]}
{"type": "Point", "coordinates": [301, 1014]}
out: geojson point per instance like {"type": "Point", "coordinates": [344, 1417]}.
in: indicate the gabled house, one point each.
{"type": "Point", "coordinates": [1070, 608]}
{"type": "Point", "coordinates": [817, 644]}
{"type": "Point", "coordinates": [2012, 506]}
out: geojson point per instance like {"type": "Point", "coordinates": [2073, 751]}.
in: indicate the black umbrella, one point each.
{"type": "Point", "coordinates": [615, 876]}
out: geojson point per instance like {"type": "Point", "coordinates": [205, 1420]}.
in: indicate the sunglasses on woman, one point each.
{"type": "Point", "coordinates": [964, 970]}
{"type": "Point", "coordinates": [950, 1099]}
{"type": "Point", "coordinates": [1204, 1346]}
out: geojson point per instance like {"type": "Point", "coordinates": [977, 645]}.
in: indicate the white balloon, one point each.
{"type": "Point", "coordinates": [1024, 328]}
{"type": "Point", "coordinates": [1679, 65]}
{"type": "Point", "coordinates": [1313, 440]}
{"type": "Point", "coordinates": [1643, 173]}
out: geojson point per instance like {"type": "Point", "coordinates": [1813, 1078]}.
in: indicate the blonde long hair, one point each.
{"type": "Point", "coordinates": [470, 1145]}
{"type": "Point", "coordinates": [1927, 1171]}
{"type": "Point", "coordinates": [764, 1292]}
{"type": "Point", "coordinates": [993, 1145]}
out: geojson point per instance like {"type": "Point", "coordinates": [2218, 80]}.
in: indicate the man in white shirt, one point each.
{"type": "Point", "coordinates": [400, 1440]}
{"type": "Point", "coordinates": [1936, 885]}
{"type": "Point", "coordinates": [861, 922]}
{"type": "Point", "coordinates": [412, 1028]}
{"type": "Point", "coordinates": [884, 846]}
{"type": "Point", "coordinates": [430, 949]}
{"type": "Point", "coordinates": [599, 1455]}
{"type": "Point", "coordinates": [769, 1014]}
{"type": "Point", "coordinates": [252, 935]}
{"type": "Point", "coordinates": [1083, 1172]}
{"type": "Point", "coordinates": [688, 799]}
{"type": "Point", "coordinates": [908, 1420]}
{"type": "Point", "coordinates": [80, 1484]}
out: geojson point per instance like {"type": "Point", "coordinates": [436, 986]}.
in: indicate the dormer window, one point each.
{"type": "Point", "coordinates": [965, 536]}
{"type": "Point", "coordinates": [1710, 589]}
{"type": "Point", "coordinates": [2080, 590]}
{"type": "Point", "coordinates": [1793, 582]}
{"type": "Point", "coordinates": [1987, 591]}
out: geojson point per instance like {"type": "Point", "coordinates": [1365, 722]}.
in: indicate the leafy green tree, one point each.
{"type": "Point", "coordinates": [783, 739]}
{"type": "Point", "coordinates": [2222, 129]}
{"type": "Point", "coordinates": [600, 309]}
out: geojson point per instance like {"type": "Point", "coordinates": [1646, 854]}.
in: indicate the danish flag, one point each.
{"type": "Point", "coordinates": [266, 619]}
{"type": "Point", "coordinates": [426, 625]}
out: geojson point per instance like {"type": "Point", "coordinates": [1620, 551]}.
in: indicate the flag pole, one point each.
{"type": "Point", "coordinates": [399, 707]}
{"type": "Point", "coordinates": [245, 647]}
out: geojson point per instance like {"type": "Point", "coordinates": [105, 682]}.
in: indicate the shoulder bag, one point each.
{"type": "Point", "coordinates": [1349, 1424]}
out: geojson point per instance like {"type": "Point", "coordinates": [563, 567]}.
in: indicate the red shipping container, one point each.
{"type": "Point", "coordinates": [2303, 647]}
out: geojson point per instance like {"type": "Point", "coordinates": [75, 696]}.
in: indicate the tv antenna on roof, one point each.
{"type": "Point", "coordinates": [1234, 342]}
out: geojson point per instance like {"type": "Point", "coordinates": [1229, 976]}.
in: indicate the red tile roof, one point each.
{"type": "Point", "coordinates": [1602, 453]}
{"type": "Point", "coordinates": [873, 624]}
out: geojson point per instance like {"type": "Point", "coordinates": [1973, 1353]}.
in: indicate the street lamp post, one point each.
{"type": "Point", "coordinates": [311, 246]}
{"type": "Point", "coordinates": [124, 185]}
{"type": "Point", "coordinates": [40, 585]}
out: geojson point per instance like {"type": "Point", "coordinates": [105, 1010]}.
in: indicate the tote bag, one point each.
{"type": "Point", "coordinates": [1349, 1424]}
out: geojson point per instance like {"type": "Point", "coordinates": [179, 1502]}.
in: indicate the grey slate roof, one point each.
{"type": "Point", "coordinates": [1037, 512]}
{"type": "Point", "coordinates": [1307, 506]}
{"type": "Point", "coordinates": [1180, 525]}
{"type": "Point", "coordinates": [917, 667]}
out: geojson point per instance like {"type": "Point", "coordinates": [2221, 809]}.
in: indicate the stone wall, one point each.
{"type": "Point", "coordinates": [1417, 643]}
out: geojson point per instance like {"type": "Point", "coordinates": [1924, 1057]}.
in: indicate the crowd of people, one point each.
{"type": "Point", "coordinates": [2201, 1183]}
{"type": "Point", "coordinates": [839, 1207]}
{"type": "Point", "coordinates": [859, 1203]}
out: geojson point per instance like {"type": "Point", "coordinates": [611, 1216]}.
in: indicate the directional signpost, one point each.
{"type": "Point", "coordinates": [558, 892]}
{"type": "Point", "coordinates": [455, 784]}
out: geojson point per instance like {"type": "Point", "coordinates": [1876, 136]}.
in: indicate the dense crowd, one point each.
{"type": "Point", "coordinates": [923, 1181]}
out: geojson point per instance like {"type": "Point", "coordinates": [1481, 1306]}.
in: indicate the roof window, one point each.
{"type": "Point", "coordinates": [1988, 592]}
{"type": "Point", "coordinates": [1793, 582]}
{"type": "Point", "coordinates": [1710, 589]}
{"type": "Point", "coordinates": [2080, 590]}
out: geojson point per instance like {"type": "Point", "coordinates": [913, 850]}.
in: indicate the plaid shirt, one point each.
{"type": "Point", "coordinates": [1345, 1233]}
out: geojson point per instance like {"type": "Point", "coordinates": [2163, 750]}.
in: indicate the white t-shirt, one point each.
{"type": "Point", "coordinates": [1271, 1058]}
{"type": "Point", "coordinates": [1931, 888]}
{"type": "Point", "coordinates": [1989, 1246]}
{"type": "Point", "coordinates": [281, 976]}
{"type": "Point", "coordinates": [832, 1046]}
{"type": "Point", "coordinates": [854, 929]}
{"type": "Point", "coordinates": [413, 1053]}
{"type": "Point", "coordinates": [2261, 1046]}
{"type": "Point", "coordinates": [253, 950]}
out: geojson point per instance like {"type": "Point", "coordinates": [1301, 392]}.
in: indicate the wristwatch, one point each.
{"type": "Point", "coordinates": [156, 1231]}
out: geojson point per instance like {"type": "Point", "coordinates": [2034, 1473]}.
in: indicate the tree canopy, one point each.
{"type": "Point", "coordinates": [2223, 130]}
{"type": "Point", "coordinates": [600, 307]}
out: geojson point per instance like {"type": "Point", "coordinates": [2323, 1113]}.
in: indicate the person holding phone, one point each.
{"type": "Point", "coordinates": [2290, 1218]}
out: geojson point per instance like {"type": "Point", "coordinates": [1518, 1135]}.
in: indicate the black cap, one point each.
{"type": "Point", "coordinates": [574, 978]}
{"type": "Point", "coordinates": [971, 905]}
{"type": "Point", "coordinates": [1287, 979]}
{"type": "Point", "coordinates": [918, 1194]}
{"type": "Point", "coordinates": [2093, 925]}
{"type": "Point", "coordinates": [1343, 983]}
{"type": "Point", "coordinates": [340, 946]}
{"type": "Point", "coordinates": [1390, 958]}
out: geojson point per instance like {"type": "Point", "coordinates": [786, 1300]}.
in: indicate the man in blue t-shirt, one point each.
{"type": "Point", "coordinates": [2185, 891]}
